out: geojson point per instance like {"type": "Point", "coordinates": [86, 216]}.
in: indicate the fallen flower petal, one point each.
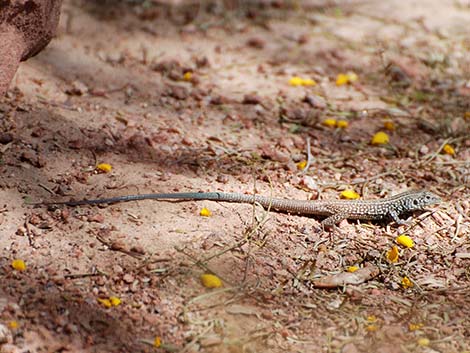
{"type": "Point", "coordinates": [380, 138]}
{"type": "Point", "coordinates": [406, 283]}
{"type": "Point", "coordinates": [295, 81]}
{"type": "Point", "coordinates": [18, 265]}
{"type": "Point", "coordinates": [308, 82]}
{"type": "Point", "coordinates": [448, 149]}
{"type": "Point", "coordinates": [13, 324]}
{"type": "Point", "coordinates": [405, 240]}
{"type": "Point", "coordinates": [205, 212]}
{"type": "Point", "coordinates": [330, 122]}
{"type": "Point", "coordinates": [342, 124]}
{"type": "Point", "coordinates": [188, 76]}
{"type": "Point", "coordinates": [392, 255]}
{"type": "Point", "coordinates": [389, 125]}
{"type": "Point", "coordinates": [105, 302]}
{"type": "Point", "coordinates": [301, 165]}
{"type": "Point", "coordinates": [115, 301]}
{"type": "Point", "coordinates": [349, 195]}
{"type": "Point", "coordinates": [352, 269]}
{"type": "Point", "coordinates": [211, 281]}
{"type": "Point", "coordinates": [104, 167]}
{"type": "Point", "coordinates": [352, 77]}
{"type": "Point", "coordinates": [341, 79]}
{"type": "Point", "coordinates": [415, 327]}
{"type": "Point", "coordinates": [423, 342]}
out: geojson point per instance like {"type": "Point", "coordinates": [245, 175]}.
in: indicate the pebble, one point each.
{"type": "Point", "coordinates": [5, 335]}
{"type": "Point", "coordinates": [9, 348]}
{"type": "Point", "coordinates": [128, 278]}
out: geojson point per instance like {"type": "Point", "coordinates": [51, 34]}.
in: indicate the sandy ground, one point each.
{"type": "Point", "coordinates": [111, 88]}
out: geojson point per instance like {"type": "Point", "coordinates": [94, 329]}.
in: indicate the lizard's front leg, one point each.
{"type": "Point", "coordinates": [398, 220]}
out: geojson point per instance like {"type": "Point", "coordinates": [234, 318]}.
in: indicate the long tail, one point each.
{"type": "Point", "coordinates": [214, 196]}
{"type": "Point", "coordinates": [295, 206]}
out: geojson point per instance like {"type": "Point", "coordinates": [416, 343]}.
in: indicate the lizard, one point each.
{"type": "Point", "coordinates": [334, 211]}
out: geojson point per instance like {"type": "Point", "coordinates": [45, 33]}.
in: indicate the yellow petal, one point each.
{"type": "Point", "coordinates": [467, 115]}
{"type": "Point", "coordinates": [301, 165]}
{"type": "Point", "coordinates": [105, 302]}
{"type": "Point", "coordinates": [13, 324]}
{"type": "Point", "coordinates": [405, 240]}
{"type": "Point", "coordinates": [157, 342]}
{"type": "Point", "coordinates": [329, 122]}
{"type": "Point", "coordinates": [341, 79]}
{"type": "Point", "coordinates": [308, 82]}
{"type": "Point", "coordinates": [349, 194]}
{"type": "Point", "coordinates": [406, 283]}
{"type": "Point", "coordinates": [104, 167]}
{"type": "Point", "coordinates": [371, 328]}
{"type": "Point", "coordinates": [380, 138]}
{"type": "Point", "coordinates": [188, 76]}
{"type": "Point", "coordinates": [352, 269]}
{"type": "Point", "coordinates": [18, 265]}
{"type": "Point", "coordinates": [352, 77]}
{"type": "Point", "coordinates": [295, 81]}
{"type": "Point", "coordinates": [115, 301]}
{"type": "Point", "coordinates": [392, 254]}
{"type": "Point", "coordinates": [211, 281]}
{"type": "Point", "coordinates": [371, 318]}
{"type": "Point", "coordinates": [415, 327]}
{"type": "Point", "coordinates": [448, 149]}
{"type": "Point", "coordinates": [342, 124]}
{"type": "Point", "coordinates": [423, 342]}
{"type": "Point", "coordinates": [389, 125]}
{"type": "Point", "coordinates": [205, 212]}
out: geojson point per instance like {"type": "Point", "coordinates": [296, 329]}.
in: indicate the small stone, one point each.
{"type": "Point", "coordinates": [178, 92]}
{"type": "Point", "coordinates": [117, 269]}
{"type": "Point", "coordinates": [187, 141]}
{"type": "Point", "coordinates": [349, 348]}
{"type": "Point", "coordinates": [118, 245]}
{"type": "Point", "coordinates": [424, 150]}
{"type": "Point", "coordinates": [257, 43]}
{"type": "Point", "coordinates": [29, 156]}
{"type": "Point", "coordinates": [5, 335]}
{"type": "Point", "coordinates": [252, 99]}
{"type": "Point", "coordinates": [5, 138]}
{"type": "Point", "coordinates": [310, 183]}
{"type": "Point", "coordinates": [210, 341]}
{"type": "Point", "coordinates": [219, 100]}
{"type": "Point", "coordinates": [21, 231]}
{"type": "Point", "coordinates": [128, 278]}
{"type": "Point", "coordinates": [98, 218]}
{"type": "Point", "coordinates": [202, 62]}
{"type": "Point", "coordinates": [221, 178]}
{"type": "Point", "coordinates": [303, 39]}
{"type": "Point", "coordinates": [315, 101]}
{"type": "Point", "coordinates": [77, 88]}
{"type": "Point", "coordinates": [138, 249]}
{"type": "Point", "coordinates": [114, 58]}
{"type": "Point", "coordinates": [10, 348]}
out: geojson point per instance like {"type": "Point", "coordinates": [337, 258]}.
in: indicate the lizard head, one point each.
{"type": "Point", "coordinates": [421, 199]}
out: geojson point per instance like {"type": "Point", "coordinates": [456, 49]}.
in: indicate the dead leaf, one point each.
{"type": "Point", "coordinates": [238, 309]}
{"type": "Point", "coordinates": [360, 276]}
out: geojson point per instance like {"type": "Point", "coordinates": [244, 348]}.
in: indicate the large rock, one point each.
{"type": "Point", "coordinates": [26, 27]}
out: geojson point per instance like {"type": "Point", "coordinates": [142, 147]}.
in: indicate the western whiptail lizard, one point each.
{"type": "Point", "coordinates": [334, 210]}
